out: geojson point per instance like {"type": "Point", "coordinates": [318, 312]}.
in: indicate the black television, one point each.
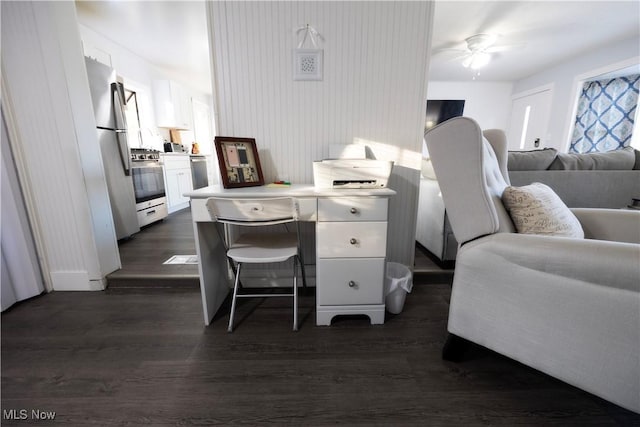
{"type": "Point", "coordinates": [439, 110]}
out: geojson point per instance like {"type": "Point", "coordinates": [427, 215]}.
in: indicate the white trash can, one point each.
{"type": "Point", "coordinates": [397, 284]}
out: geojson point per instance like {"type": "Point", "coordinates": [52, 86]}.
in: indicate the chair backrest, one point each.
{"type": "Point", "coordinates": [471, 178]}
{"type": "Point", "coordinates": [253, 212]}
{"type": "Point", "coordinates": [498, 140]}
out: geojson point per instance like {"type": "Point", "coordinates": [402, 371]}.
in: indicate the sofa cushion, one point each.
{"type": "Point", "coordinates": [534, 160]}
{"type": "Point", "coordinates": [536, 209]}
{"type": "Point", "coordinates": [636, 166]}
{"type": "Point", "coordinates": [623, 159]}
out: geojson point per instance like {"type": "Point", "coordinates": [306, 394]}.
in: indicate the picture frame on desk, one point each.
{"type": "Point", "coordinates": [239, 162]}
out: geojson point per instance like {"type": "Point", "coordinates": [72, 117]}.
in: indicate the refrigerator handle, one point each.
{"type": "Point", "coordinates": [123, 149]}
{"type": "Point", "coordinates": [117, 91]}
{"type": "Point", "coordinates": [119, 104]}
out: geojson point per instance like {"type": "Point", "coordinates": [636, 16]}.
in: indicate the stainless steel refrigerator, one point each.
{"type": "Point", "coordinates": [108, 107]}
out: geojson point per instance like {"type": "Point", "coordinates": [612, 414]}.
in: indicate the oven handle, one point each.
{"type": "Point", "coordinates": [145, 164]}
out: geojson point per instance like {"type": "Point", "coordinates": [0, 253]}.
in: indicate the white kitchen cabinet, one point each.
{"type": "Point", "coordinates": [172, 105]}
{"type": "Point", "coordinates": [177, 176]}
{"type": "Point", "coordinates": [351, 245]}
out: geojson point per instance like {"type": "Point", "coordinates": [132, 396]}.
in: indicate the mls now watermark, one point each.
{"type": "Point", "coordinates": [27, 414]}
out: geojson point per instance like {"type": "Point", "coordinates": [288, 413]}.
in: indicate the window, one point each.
{"type": "Point", "coordinates": [606, 114]}
{"type": "Point", "coordinates": [133, 118]}
{"type": "Point", "coordinates": [142, 127]}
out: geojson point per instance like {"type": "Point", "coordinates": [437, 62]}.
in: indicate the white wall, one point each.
{"type": "Point", "coordinates": [48, 109]}
{"type": "Point", "coordinates": [488, 103]}
{"type": "Point", "coordinates": [564, 77]}
{"type": "Point", "coordinates": [374, 89]}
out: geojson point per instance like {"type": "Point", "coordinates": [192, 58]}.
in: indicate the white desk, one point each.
{"type": "Point", "coordinates": [351, 241]}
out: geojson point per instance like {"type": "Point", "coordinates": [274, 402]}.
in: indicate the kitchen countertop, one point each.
{"type": "Point", "coordinates": [185, 154]}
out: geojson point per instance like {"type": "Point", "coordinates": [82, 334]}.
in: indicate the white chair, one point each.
{"type": "Point", "coordinates": [260, 247]}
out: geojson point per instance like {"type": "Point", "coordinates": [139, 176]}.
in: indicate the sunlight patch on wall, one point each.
{"type": "Point", "coordinates": [386, 151]}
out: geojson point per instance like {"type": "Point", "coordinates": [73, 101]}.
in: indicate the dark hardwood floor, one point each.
{"type": "Point", "coordinates": [140, 354]}
{"type": "Point", "coordinates": [143, 254]}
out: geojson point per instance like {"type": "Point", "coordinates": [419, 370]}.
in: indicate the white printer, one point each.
{"type": "Point", "coordinates": [351, 173]}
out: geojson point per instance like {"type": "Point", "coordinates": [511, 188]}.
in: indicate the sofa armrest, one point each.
{"type": "Point", "coordinates": [616, 225]}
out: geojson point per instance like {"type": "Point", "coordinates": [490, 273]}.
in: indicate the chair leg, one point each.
{"type": "Point", "coordinates": [295, 296]}
{"type": "Point", "coordinates": [455, 348]}
{"type": "Point", "coordinates": [304, 274]}
{"type": "Point", "coordinates": [233, 300]}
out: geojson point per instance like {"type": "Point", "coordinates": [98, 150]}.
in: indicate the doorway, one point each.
{"type": "Point", "coordinates": [529, 119]}
{"type": "Point", "coordinates": [133, 37]}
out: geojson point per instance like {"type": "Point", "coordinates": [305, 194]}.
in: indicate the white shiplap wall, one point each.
{"type": "Point", "coordinates": [47, 104]}
{"type": "Point", "coordinates": [373, 90]}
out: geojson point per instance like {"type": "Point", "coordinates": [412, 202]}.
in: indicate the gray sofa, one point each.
{"type": "Point", "coordinates": [598, 180]}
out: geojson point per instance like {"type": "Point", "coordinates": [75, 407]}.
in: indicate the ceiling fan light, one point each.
{"type": "Point", "coordinates": [478, 60]}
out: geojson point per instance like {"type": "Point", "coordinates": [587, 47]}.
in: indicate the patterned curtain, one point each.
{"type": "Point", "coordinates": [606, 111]}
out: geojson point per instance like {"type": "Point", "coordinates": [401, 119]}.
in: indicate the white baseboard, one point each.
{"type": "Point", "coordinates": [75, 281]}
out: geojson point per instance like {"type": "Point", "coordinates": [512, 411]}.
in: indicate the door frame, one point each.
{"type": "Point", "coordinates": [28, 196]}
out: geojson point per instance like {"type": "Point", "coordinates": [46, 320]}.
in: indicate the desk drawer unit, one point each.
{"type": "Point", "coordinates": [351, 239]}
{"type": "Point", "coordinates": [352, 209]}
{"type": "Point", "coordinates": [350, 281]}
{"type": "Point", "coordinates": [351, 244]}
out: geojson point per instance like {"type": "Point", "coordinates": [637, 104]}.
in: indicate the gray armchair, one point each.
{"type": "Point", "coordinates": [567, 307]}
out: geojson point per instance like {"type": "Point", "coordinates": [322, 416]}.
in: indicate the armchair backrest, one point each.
{"type": "Point", "coordinates": [498, 141]}
{"type": "Point", "coordinates": [471, 177]}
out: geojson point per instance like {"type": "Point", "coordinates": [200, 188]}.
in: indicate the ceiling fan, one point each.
{"type": "Point", "coordinates": [477, 53]}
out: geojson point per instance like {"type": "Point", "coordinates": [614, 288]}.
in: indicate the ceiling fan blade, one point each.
{"type": "Point", "coordinates": [462, 56]}
{"type": "Point", "coordinates": [504, 48]}
{"type": "Point", "coordinates": [449, 52]}
{"type": "Point", "coordinates": [449, 55]}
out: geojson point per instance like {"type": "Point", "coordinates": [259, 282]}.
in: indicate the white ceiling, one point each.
{"type": "Point", "coordinates": [173, 34]}
{"type": "Point", "coordinates": [542, 33]}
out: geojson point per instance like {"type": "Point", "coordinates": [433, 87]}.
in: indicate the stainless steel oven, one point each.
{"type": "Point", "coordinates": [148, 186]}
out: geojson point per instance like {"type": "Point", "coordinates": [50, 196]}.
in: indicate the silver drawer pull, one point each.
{"type": "Point", "coordinates": [353, 241]}
{"type": "Point", "coordinates": [353, 211]}
{"type": "Point", "coordinates": [352, 283]}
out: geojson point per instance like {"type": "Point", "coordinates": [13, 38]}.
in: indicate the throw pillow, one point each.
{"type": "Point", "coordinates": [623, 159]}
{"type": "Point", "coordinates": [534, 160]}
{"type": "Point", "coordinates": [537, 209]}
